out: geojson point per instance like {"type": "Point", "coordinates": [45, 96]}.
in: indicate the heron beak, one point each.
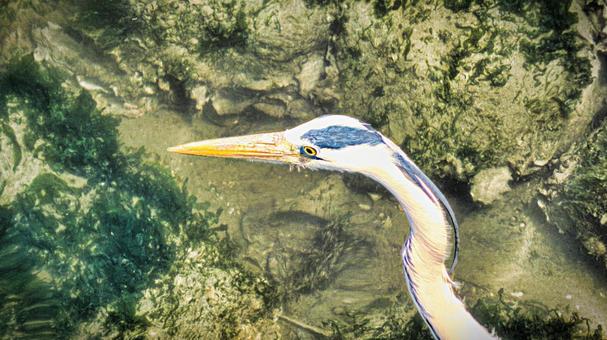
{"type": "Point", "coordinates": [269, 147]}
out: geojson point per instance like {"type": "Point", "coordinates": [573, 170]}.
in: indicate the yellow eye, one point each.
{"type": "Point", "coordinates": [309, 151]}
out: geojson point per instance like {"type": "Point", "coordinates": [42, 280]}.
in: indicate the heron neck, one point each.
{"type": "Point", "coordinates": [424, 254]}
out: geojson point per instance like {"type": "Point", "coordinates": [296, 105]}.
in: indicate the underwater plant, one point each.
{"type": "Point", "coordinates": [502, 69]}
{"type": "Point", "coordinates": [530, 320]}
{"type": "Point", "coordinates": [301, 271]}
{"type": "Point", "coordinates": [524, 320]}
{"type": "Point", "coordinates": [96, 226]}
{"type": "Point", "coordinates": [575, 197]}
{"type": "Point", "coordinates": [77, 137]}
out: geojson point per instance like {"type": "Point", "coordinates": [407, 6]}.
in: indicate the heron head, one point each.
{"type": "Point", "coordinates": [332, 142]}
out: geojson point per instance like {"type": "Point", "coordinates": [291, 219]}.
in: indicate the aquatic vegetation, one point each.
{"type": "Point", "coordinates": [396, 323]}
{"type": "Point", "coordinates": [109, 22]}
{"type": "Point", "coordinates": [577, 194]}
{"type": "Point", "coordinates": [204, 294]}
{"type": "Point", "coordinates": [309, 262]}
{"type": "Point", "coordinates": [448, 74]}
{"type": "Point", "coordinates": [509, 319]}
{"type": "Point", "coordinates": [528, 320]}
{"type": "Point", "coordinates": [91, 232]}
{"type": "Point", "coordinates": [76, 136]}
{"type": "Point", "coordinates": [317, 266]}
{"type": "Point", "coordinates": [201, 26]}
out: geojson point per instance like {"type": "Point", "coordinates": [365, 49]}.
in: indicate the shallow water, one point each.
{"type": "Point", "coordinates": [98, 240]}
{"type": "Point", "coordinates": [508, 245]}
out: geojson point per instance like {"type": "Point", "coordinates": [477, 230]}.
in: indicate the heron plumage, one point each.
{"type": "Point", "coordinates": [337, 137]}
{"type": "Point", "coordinates": [343, 143]}
{"type": "Point", "coordinates": [423, 256]}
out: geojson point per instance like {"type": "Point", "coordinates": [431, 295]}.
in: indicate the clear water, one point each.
{"type": "Point", "coordinates": [98, 240]}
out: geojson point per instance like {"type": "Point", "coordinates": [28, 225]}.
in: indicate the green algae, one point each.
{"type": "Point", "coordinates": [315, 268]}
{"type": "Point", "coordinates": [76, 135]}
{"type": "Point", "coordinates": [214, 24]}
{"type": "Point", "coordinates": [508, 319]}
{"type": "Point", "coordinates": [16, 148]}
{"type": "Point", "coordinates": [578, 203]}
{"type": "Point", "coordinates": [529, 320]}
{"type": "Point", "coordinates": [110, 21]}
{"type": "Point", "coordinates": [395, 323]}
{"type": "Point", "coordinates": [75, 253]}
{"type": "Point", "coordinates": [437, 99]}
{"type": "Point", "coordinates": [319, 264]}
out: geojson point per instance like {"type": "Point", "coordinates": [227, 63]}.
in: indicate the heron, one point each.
{"type": "Point", "coordinates": [345, 144]}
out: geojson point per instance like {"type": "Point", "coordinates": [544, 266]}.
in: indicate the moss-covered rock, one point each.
{"type": "Point", "coordinates": [244, 54]}
{"type": "Point", "coordinates": [574, 198]}
{"type": "Point", "coordinates": [454, 84]}
{"type": "Point", "coordinates": [202, 298]}
{"type": "Point", "coordinates": [450, 81]}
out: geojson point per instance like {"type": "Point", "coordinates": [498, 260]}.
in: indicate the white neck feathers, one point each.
{"type": "Point", "coordinates": [424, 254]}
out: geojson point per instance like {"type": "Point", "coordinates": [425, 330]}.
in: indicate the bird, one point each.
{"type": "Point", "coordinates": [345, 144]}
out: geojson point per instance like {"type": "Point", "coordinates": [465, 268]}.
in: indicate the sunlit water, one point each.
{"type": "Point", "coordinates": [508, 245]}
{"type": "Point", "coordinates": [276, 215]}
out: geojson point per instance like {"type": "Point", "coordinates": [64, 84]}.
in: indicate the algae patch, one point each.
{"type": "Point", "coordinates": [471, 86]}
{"type": "Point", "coordinates": [508, 319]}
{"type": "Point", "coordinates": [462, 85]}
{"type": "Point", "coordinates": [574, 198]}
{"type": "Point", "coordinates": [96, 226]}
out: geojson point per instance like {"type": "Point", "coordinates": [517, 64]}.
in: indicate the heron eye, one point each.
{"type": "Point", "coordinates": [309, 151]}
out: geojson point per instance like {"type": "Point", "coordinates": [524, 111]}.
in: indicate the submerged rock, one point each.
{"type": "Point", "coordinates": [470, 83]}
{"type": "Point", "coordinates": [490, 184]}
{"type": "Point", "coordinates": [452, 84]}
{"type": "Point", "coordinates": [199, 96]}
{"type": "Point", "coordinates": [310, 74]}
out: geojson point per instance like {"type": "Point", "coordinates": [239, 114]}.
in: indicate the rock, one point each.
{"type": "Point", "coordinates": [272, 82]}
{"type": "Point", "coordinates": [489, 184]}
{"type": "Point", "coordinates": [518, 294]}
{"type": "Point", "coordinates": [364, 207]}
{"type": "Point", "coordinates": [594, 246]}
{"type": "Point", "coordinates": [226, 104]}
{"type": "Point", "coordinates": [564, 171]}
{"type": "Point", "coordinates": [273, 110]}
{"type": "Point", "coordinates": [310, 74]}
{"type": "Point", "coordinates": [374, 196]}
{"type": "Point", "coordinates": [199, 95]}
{"type": "Point", "coordinates": [540, 162]}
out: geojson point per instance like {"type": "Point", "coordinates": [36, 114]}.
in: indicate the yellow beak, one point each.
{"type": "Point", "coordinates": [271, 147]}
